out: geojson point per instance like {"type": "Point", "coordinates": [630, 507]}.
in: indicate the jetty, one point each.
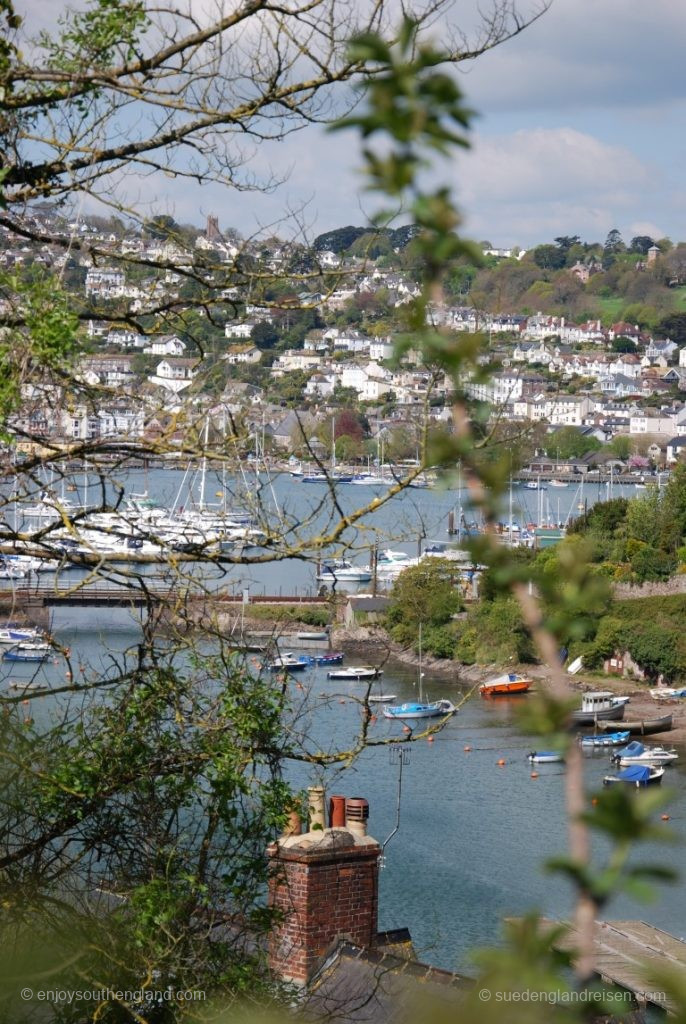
{"type": "Point", "coordinates": [624, 954]}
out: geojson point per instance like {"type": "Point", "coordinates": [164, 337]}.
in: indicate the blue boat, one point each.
{"type": "Point", "coordinates": [607, 739]}
{"type": "Point", "coordinates": [636, 775]}
{"type": "Point", "coordinates": [335, 658]}
{"type": "Point", "coordinates": [435, 709]}
{"type": "Point", "coordinates": [28, 652]}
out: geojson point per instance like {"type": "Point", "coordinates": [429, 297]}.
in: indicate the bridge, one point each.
{"type": "Point", "coordinates": [139, 597]}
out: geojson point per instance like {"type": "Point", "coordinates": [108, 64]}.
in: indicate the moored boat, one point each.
{"type": "Point", "coordinates": [28, 651]}
{"type": "Point", "coordinates": [644, 726]}
{"type": "Point", "coordinates": [381, 698]}
{"type": "Point", "coordinates": [545, 757]}
{"type": "Point", "coordinates": [636, 775]}
{"type": "Point", "coordinates": [334, 658]}
{"type": "Point", "coordinates": [600, 705]}
{"type": "Point", "coordinates": [636, 753]}
{"type": "Point", "coordinates": [509, 683]}
{"type": "Point", "coordinates": [289, 663]}
{"type": "Point", "coordinates": [434, 709]}
{"type": "Point", "coordinates": [355, 672]}
{"type": "Point", "coordinates": [605, 739]}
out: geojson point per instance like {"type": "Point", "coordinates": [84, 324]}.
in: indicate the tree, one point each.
{"type": "Point", "coordinates": [674, 327]}
{"type": "Point", "coordinates": [624, 345]}
{"type": "Point", "coordinates": [264, 334]}
{"type": "Point", "coordinates": [569, 443]}
{"type": "Point", "coordinates": [641, 243]}
{"type": "Point", "coordinates": [549, 257]}
{"type": "Point", "coordinates": [426, 595]}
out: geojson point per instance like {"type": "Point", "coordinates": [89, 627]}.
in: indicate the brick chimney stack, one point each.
{"type": "Point", "coordinates": [325, 884]}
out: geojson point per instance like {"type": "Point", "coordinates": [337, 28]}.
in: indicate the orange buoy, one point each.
{"type": "Point", "coordinates": [501, 762]}
{"type": "Point", "coordinates": [372, 718]}
{"type": "Point", "coordinates": [467, 750]}
{"type": "Point", "coordinates": [68, 675]}
{"type": "Point", "coordinates": [534, 775]}
{"type": "Point", "coordinates": [664, 817]}
{"type": "Point", "coordinates": [594, 801]}
{"type": "Point", "coordinates": [429, 739]}
{"type": "Point", "coordinates": [406, 728]}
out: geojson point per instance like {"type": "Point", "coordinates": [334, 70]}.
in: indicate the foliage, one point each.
{"type": "Point", "coordinates": [570, 443]}
{"type": "Point", "coordinates": [423, 595]}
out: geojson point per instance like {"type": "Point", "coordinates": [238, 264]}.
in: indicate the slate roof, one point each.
{"type": "Point", "coordinates": [378, 986]}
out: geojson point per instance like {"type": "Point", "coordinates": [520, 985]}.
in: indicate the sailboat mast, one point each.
{"type": "Point", "coordinates": [421, 674]}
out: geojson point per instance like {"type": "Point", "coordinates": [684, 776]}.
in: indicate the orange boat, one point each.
{"type": "Point", "coordinates": [505, 685]}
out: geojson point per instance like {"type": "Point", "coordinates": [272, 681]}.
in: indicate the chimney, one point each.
{"type": "Point", "coordinates": [324, 884]}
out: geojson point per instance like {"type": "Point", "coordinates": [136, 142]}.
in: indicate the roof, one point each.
{"type": "Point", "coordinates": [377, 986]}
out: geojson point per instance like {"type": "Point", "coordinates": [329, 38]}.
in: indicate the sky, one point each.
{"type": "Point", "coordinates": [580, 129]}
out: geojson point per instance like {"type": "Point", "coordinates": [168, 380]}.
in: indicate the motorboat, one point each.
{"type": "Point", "coordinates": [636, 775]}
{"type": "Point", "coordinates": [433, 709]}
{"type": "Point", "coordinates": [313, 636]}
{"type": "Point", "coordinates": [600, 705]}
{"type": "Point", "coordinates": [289, 663]}
{"type": "Point", "coordinates": [605, 739]}
{"type": "Point", "coordinates": [558, 483]}
{"type": "Point", "coordinates": [545, 757]}
{"type": "Point", "coordinates": [343, 571]}
{"type": "Point", "coordinates": [355, 672]}
{"type": "Point", "coordinates": [19, 634]}
{"type": "Point", "coordinates": [28, 651]}
{"type": "Point", "coordinates": [644, 726]}
{"type": "Point", "coordinates": [636, 753]}
{"type": "Point", "coordinates": [507, 684]}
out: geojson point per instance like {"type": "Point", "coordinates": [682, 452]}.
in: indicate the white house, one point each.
{"type": "Point", "coordinates": [174, 374]}
{"type": "Point", "coordinates": [166, 345]}
{"type": "Point", "coordinates": [242, 354]}
{"type": "Point", "coordinates": [239, 330]}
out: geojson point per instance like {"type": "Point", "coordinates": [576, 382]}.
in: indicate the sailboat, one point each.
{"type": "Point", "coordinates": [420, 708]}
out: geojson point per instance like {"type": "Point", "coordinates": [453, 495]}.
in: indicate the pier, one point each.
{"type": "Point", "coordinates": [626, 951]}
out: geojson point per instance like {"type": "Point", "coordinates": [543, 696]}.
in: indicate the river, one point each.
{"type": "Point", "coordinates": [473, 834]}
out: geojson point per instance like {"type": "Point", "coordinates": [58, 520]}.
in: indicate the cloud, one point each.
{"type": "Point", "coordinates": [531, 185]}
{"type": "Point", "coordinates": [584, 54]}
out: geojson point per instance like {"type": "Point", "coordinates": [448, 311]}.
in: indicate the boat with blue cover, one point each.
{"type": "Point", "coordinates": [636, 753]}
{"type": "Point", "coordinates": [636, 775]}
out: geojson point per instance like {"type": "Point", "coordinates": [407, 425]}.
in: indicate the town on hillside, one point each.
{"type": "Point", "coordinates": [585, 343]}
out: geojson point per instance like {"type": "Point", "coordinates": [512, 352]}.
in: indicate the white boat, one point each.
{"type": "Point", "coordinates": [343, 571]}
{"type": "Point", "coordinates": [668, 693]}
{"type": "Point", "coordinates": [636, 753]}
{"type": "Point", "coordinates": [355, 672]}
{"type": "Point", "coordinates": [289, 663]}
{"type": "Point", "coordinates": [575, 666]}
{"type": "Point", "coordinates": [558, 483]}
{"type": "Point", "coordinates": [381, 698]}
{"type": "Point", "coordinates": [545, 757]}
